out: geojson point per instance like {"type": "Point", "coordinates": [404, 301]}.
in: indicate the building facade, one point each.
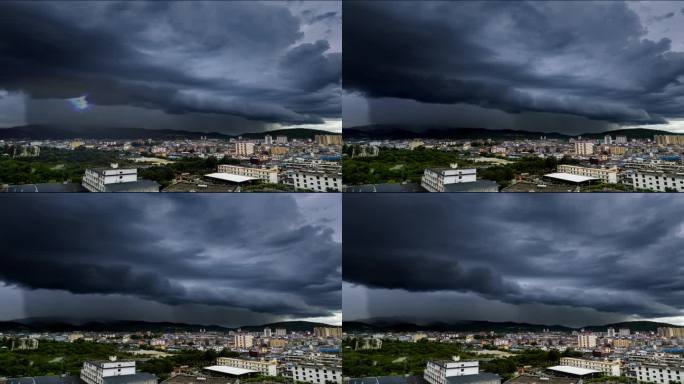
{"type": "Point", "coordinates": [607, 175]}
{"type": "Point", "coordinates": [437, 372]}
{"type": "Point", "coordinates": [243, 341]}
{"type": "Point", "coordinates": [317, 181]}
{"type": "Point", "coordinates": [658, 181]}
{"type": "Point", "coordinates": [325, 332]}
{"type": "Point", "coordinates": [114, 372]}
{"type": "Point", "coordinates": [317, 374]}
{"type": "Point", "coordinates": [435, 179]}
{"type": "Point", "coordinates": [586, 341]}
{"type": "Point", "coordinates": [660, 373]}
{"type": "Point", "coordinates": [244, 148]}
{"type": "Point", "coordinates": [264, 367]}
{"type": "Point", "coordinates": [328, 139]}
{"type": "Point", "coordinates": [269, 175]}
{"type": "Point", "coordinates": [584, 148]}
{"type": "Point", "coordinates": [96, 179]}
{"type": "Point", "coordinates": [610, 368]}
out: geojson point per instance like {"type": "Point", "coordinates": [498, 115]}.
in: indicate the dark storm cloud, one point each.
{"type": "Point", "coordinates": [200, 57]}
{"type": "Point", "coordinates": [578, 251]}
{"type": "Point", "coordinates": [590, 60]}
{"type": "Point", "coordinates": [254, 253]}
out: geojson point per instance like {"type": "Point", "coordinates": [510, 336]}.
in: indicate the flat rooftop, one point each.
{"type": "Point", "coordinates": [573, 370]}
{"type": "Point", "coordinates": [569, 177]}
{"type": "Point", "coordinates": [229, 370]}
{"type": "Point", "coordinates": [230, 177]}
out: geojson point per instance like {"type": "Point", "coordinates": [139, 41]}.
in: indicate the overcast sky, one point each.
{"type": "Point", "coordinates": [568, 67]}
{"type": "Point", "coordinates": [230, 66]}
{"type": "Point", "coordinates": [571, 259]}
{"type": "Point", "coordinates": [208, 259]}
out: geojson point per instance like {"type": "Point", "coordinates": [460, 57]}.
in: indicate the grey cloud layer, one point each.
{"type": "Point", "coordinates": [263, 254]}
{"type": "Point", "coordinates": [245, 59]}
{"type": "Point", "coordinates": [591, 59]}
{"type": "Point", "coordinates": [581, 251]}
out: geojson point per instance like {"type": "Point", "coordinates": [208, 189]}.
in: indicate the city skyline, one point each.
{"type": "Point", "coordinates": [230, 67]}
{"type": "Point", "coordinates": [567, 67]}
{"type": "Point", "coordinates": [200, 259]}
{"type": "Point", "coordinates": [566, 259]}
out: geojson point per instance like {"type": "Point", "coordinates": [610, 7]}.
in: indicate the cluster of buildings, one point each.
{"type": "Point", "coordinates": [298, 164]}
{"type": "Point", "coordinates": [641, 356]}
{"type": "Point", "coordinates": [617, 163]}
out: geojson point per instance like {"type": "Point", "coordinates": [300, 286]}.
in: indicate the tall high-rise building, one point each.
{"type": "Point", "coordinates": [268, 140]}
{"type": "Point", "coordinates": [279, 332]}
{"type": "Point", "coordinates": [324, 332]}
{"type": "Point", "coordinates": [584, 148]}
{"type": "Point", "coordinates": [586, 340]}
{"type": "Point", "coordinates": [243, 341]}
{"type": "Point", "coordinates": [244, 148]}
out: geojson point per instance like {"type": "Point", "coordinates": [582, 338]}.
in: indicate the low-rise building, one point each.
{"type": "Point", "coordinates": [660, 373]}
{"type": "Point", "coordinates": [269, 175]}
{"type": "Point", "coordinates": [318, 181]}
{"type": "Point", "coordinates": [114, 371]}
{"type": "Point", "coordinates": [608, 175]}
{"type": "Point", "coordinates": [659, 181]}
{"type": "Point", "coordinates": [436, 179]}
{"type": "Point", "coordinates": [264, 367]}
{"type": "Point", "coordinates": [610, 368]}
{"type": "Point", "coordinates": [317, 374]}
{"type": "Point", "coordinates": [437, 372]}
{"type": "Point", "coordinates": [115, 179]}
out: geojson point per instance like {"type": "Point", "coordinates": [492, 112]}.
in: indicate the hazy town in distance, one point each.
{"type": "Point", "coordinates": [520, 96]}
{"type": "Point", "coordinates": [551, 288]}
{"type": "Point", "coordinates": [156, 101]}
{"type": "Point", "coordinates": [221, 300]}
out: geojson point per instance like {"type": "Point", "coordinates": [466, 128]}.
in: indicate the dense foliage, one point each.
{"type": "Point", "coordinates": [52, 358]}
{"type": "Point", "coordinates": [403, 165]}
{"type": "Point", "coordinates": [162, 367]}
{"type": "Point", "coordinates": [396, 165]}
{"type": "Point", "coordinates": [53, 165]}
{"type": "Point", "coordinates": [400, 358]}
{"type": "Point", "coordinates": [164, 174]}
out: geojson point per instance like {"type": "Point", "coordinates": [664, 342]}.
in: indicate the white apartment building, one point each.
{"type": "Point", "coordinates": [96, 179]}
{"type": "Point", "coordinates": [94, 372]}
{"type": "Point", "coordinates": [608, 175]}
{"type": "Point", "coordinates": [586, 341]}
{"type": "Point", "coordinates": [438, 372]}
{"type": "Point", "coordinates": [324, 332]}
{"type": "Point", "coordinates": [317, 181]}
{"type": "Point", "coordinates": [658, 181]}
{"type": "Point", "coordinates": [264, 367]}
{"type": "Point", "coordinates": [244, 148]}
{"type": "Point", "coordinates": [660, 373]}
{"type": "Point", "coordinates": [281, 139]}
{"type": "Point", "coordinates": [435, 179]}
{"type": "Point", "coordinates": [624, 332]}
{"type": "Point", "coordinates": [317, 374]}
{"type": "Point", "coordinates": [268, 140]}
{"type": "Point", "coordinates": [243, 341]}
{"type": "Point", "coordinates": [113, 371]}
{"type": "Point", "coordinates": [584, 148]}
{"type": "Point", "coordinates": [269, 175]}
{"type": "Point", "coordinates": [280, 332]}
{"type": "Point", "coordinates": [610, 368]}
{"type": "Point", "coordinates": [268, 332]}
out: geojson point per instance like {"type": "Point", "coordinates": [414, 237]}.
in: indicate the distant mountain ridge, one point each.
{"type": "Point", "coordinates": [54, 132]}
{"type": "Point", "coordinates": [404, 132]}
{"type": "Point", "coordinates": [66, 325]}
{"type": "Point", "coordinates": [384, 325]}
